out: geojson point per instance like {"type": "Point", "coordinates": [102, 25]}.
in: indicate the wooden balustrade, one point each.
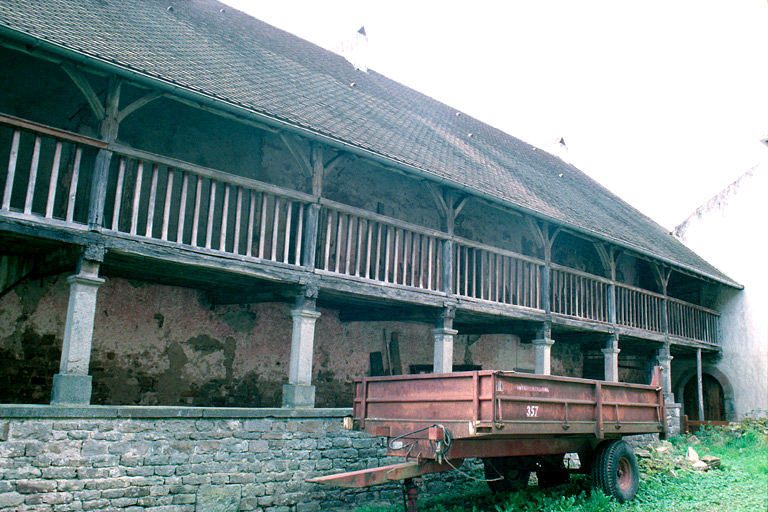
{"type": "Point", "coordinates": [49, 179]}
{"type": "Point", "coordinates": [358, 243]}
{"type": "Point", "coordinates": [580, 295]}
{"type": "Point", "coordinates": [149, 196]}
{"type": "Point", "coordinates": [48, 173]}
{"type": "Point", "coordinates": [638, 308]}
{"type": "Point", "coordinates": [484, 272]}
{"type": "Point", "coordinates": [693, 322]}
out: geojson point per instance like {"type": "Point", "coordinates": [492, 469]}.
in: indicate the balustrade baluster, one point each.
{"type": "Point", "coordinates": [167, 205]}
{"type": "Point", "coordinates": [12, 159]}
{"type": "Point", "coordinates": [182, 207]}
{"type": "Point", "coordinates": [196, 211]}
{"type": "Point", "coordinates": [251, 216]}
{"type": "Point", "coordinates": [287, 230]}
{"type": "Point", "coordinates": [238, 220]}
{"type": "Point", "coordinates": [54, 180]}
{"type": "Point", "coordinates": [299, 233]}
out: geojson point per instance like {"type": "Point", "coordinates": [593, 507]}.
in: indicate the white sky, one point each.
{"type": "Point", "coordinates": [663, 102]}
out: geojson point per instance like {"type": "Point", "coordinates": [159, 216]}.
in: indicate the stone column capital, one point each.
{"type": "Point", "coordinates": [309, 314]}
{"type": "Point", "coordinates": [86, 280]}
{"type": "Point", "coordinates": [610, 351]}
{"type": "Point", "coordinates": [444, 331]}
{"type": "Point", "coordinates": [543, 341]}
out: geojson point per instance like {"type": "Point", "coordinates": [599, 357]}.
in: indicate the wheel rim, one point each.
{"type": "Point", "coordinates": [624, 474]}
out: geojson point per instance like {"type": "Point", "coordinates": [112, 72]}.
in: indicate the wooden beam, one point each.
{"type": "Point", "coordinates": [91, 97]}
{"type": "Point", "coordinates": [437, 197]}
{"type": "Point", "coordinates": [133, 107]}
{"type": "Point", "coordinates": [298, 155]}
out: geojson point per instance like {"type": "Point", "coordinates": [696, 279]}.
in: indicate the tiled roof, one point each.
{"type": "Point", "coordinates": [207, 47]}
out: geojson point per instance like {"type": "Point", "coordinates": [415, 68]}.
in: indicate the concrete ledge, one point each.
{"type": "Point", "coordinates": [137, 411]}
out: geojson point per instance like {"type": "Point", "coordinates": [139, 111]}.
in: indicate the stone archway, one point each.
{"type": "Point", "coordinates": [714, 398]}
{"type": "Point", "coordinates": [683, 377]}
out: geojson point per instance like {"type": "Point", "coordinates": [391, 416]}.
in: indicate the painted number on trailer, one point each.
{"type": "Point", "coordinates": [532, 411]}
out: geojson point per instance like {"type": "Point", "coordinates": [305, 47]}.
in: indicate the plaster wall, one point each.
{"type": "Point", "coordinates": [727, 232]}
{"type": "Point", "coordinates": [166, 345]}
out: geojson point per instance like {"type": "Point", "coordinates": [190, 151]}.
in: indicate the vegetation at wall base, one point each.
{"type": "Point", "coordinates": [740, 484]}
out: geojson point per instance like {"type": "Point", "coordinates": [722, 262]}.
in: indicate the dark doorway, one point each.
{"type": "Point", "coordinates": [714, 403]}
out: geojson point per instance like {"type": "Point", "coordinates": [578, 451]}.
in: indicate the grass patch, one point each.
{"type": "Point", "coordinates": [739, 485]}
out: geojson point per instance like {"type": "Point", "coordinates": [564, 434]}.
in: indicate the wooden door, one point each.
{"type": "Point", "coordinates": [714, 401]}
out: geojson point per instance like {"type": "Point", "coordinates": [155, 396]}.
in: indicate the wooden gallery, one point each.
{"type": "Point", "coordinates": [203, 212]}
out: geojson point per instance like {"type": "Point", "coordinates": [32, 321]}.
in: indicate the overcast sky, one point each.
{"type": "Point", "coordinates": [663, 102]}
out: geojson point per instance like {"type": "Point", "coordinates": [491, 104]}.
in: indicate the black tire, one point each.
{"type": "Point", "coordinates": [514, 474]}
{"type": "Point", "coordinates": [615, 471]}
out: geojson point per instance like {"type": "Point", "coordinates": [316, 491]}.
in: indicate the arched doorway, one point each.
{"type": "Point", "coordinates": [714, 400]}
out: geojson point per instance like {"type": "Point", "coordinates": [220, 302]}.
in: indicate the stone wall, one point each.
{"type": "Point", "coordinates": [184, 459]}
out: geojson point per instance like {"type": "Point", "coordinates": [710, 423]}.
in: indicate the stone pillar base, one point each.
{"type": "Point", "coordinates": [542, 355]}
{"type": "Point", "coordinates": [71, 389]}
{"type": "Point", "coordinates": [298, 396]}
{"type": "Point", "coordinates": [674, 420]}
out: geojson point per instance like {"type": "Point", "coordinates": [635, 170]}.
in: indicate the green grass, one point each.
{"type": "Point", "coordinates": [740, 485]}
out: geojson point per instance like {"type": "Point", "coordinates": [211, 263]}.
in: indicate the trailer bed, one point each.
{"type": "Point", "coordinates": [497, 405]}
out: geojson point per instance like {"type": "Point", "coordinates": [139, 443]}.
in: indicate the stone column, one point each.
{"type": "Point", "coordinates": [665, 361]}
{"type": "Point", "coordinates": [72, 385]}
{"type": "Point", "coordinates": [542, 351]}
{"type": "Point", "coordinates": [444, 334]}
{"type": "Point", "coordinates": [673, 418]}
{"type": "Point", "coordinates": [299, 392]}
{"type": "Point", "coordinates": [611, 358]}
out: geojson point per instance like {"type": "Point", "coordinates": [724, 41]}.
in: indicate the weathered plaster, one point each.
{"type": "Point", "coordinates": [727, 231]}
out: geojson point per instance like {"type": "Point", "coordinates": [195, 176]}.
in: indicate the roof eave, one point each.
{"type": "Point", "coordinates": [273, 121]}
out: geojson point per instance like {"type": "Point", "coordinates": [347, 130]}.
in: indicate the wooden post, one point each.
{"type": "Point", "coordinates": [309, 242]}
{"type": "Point", "coordinates": [108, 133]}
{"type": "Point", "coordinates": [449, 205]}
{"type": "Point", "coordinates": [700, 384]}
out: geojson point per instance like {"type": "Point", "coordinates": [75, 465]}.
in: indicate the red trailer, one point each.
{"type": "Point", "coordinates": [516, 423]}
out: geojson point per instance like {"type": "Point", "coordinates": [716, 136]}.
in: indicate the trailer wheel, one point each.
{"type": "Point", "coordinates": [615, 471]}
{"type": "Point", "coordinates": [513, 472]}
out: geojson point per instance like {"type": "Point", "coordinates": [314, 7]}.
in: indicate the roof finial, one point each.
{"type": "Point", "coordinates": [355, 49]}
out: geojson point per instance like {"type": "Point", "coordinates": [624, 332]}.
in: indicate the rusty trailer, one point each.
{"type": "Point", "coordinates": [517, 423]}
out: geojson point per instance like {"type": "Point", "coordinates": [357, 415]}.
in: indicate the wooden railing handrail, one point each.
{"type": "Point", "coordinates": [669, 298]}
{"type": "Point", "coordinates": [359, 212]}
{"type": "Point", "coordinates": [580, 273]}
{"type": "Point", "coordinates": [693, 306]}
{"type": "Point", "coordinates": [496, 250]}
{"type": "Point", "coordinates": [640, 290]}
{"type": "Point", "coordinates": [207, 172]}
{"type": "Point", "coordinates": [53, 132]}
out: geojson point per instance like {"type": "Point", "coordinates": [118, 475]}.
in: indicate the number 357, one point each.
{"type": "Point", "coordinates": [531, 411]}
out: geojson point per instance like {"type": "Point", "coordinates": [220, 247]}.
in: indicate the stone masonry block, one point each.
{"type": "Point", "coordinates": [11, 499]}
{"type": "Point", "coordinates": [35, 486]}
